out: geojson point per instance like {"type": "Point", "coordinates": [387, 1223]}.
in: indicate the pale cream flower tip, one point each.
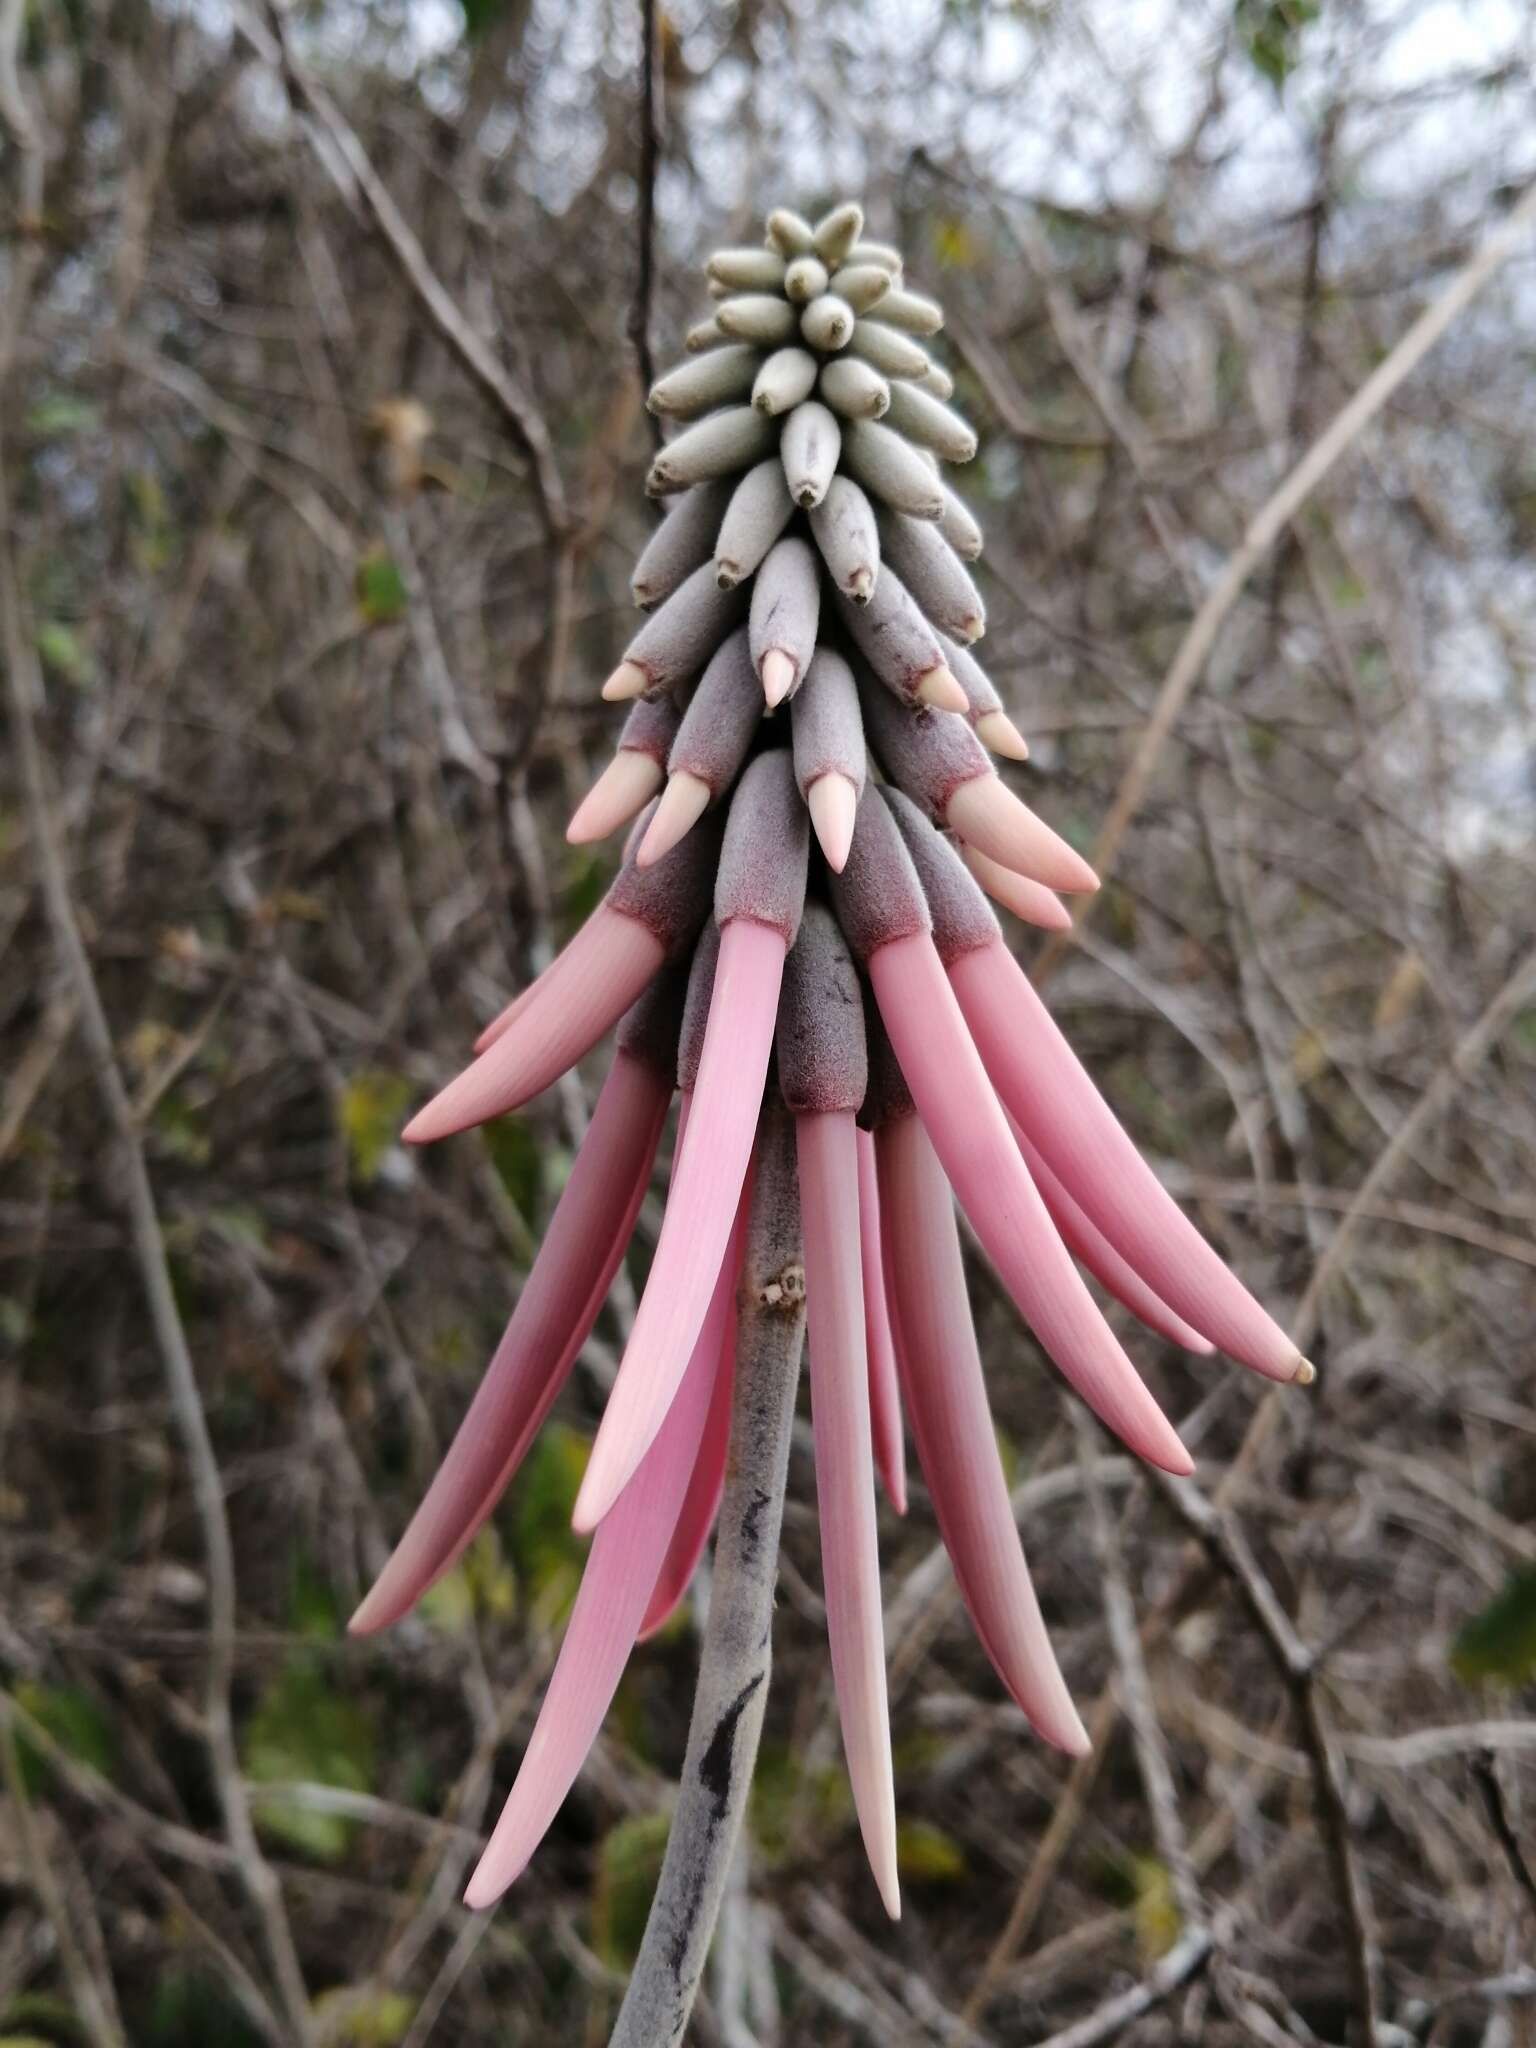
{"type": "Point", "coordinates": [778, 673]}
{"type": "Point", "coordinates": [995, 729]}
{"type": "Point", "coordinates": [939, 688]}
{"type": "Point", "coordinates": [629, 679]}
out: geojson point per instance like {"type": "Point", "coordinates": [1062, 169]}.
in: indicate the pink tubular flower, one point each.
{"type": "Point", "coordinates": [799, 917]}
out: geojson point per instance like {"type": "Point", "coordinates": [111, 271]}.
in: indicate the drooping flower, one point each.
{"type": "Point", "coordinates": [805, 674]}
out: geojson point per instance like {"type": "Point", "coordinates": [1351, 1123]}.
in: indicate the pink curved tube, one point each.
{"type": "Point", "coordinates": [884, 1389]}
{"type": "Point", "coordinates": [1092, 1249]}
{"type": "Point", "coordinates": [555, 1312]}
{"type": "Point", "coordinates": [965, 1121]}
{"type": "Point", "coordinates": [558, 1020]}
{"type": "Point", "coordinates": [702, 1502]}
{"type": "Point", "coordinates": [827, 1158]}
{"type": "Point", "coordinates": [705, 1191]}
{"type": "Point", "coordinates": [952, 1428]}
{"type": "Point", "coordinates": [626, 1555]}
{"type": "Point", "coordinates": [1063, 1114]}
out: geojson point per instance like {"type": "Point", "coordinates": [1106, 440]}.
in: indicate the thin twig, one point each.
{"type": "Point", "coordinates": [645, 270]}
{"type": "Point", "coordinates": [1227, 1549]}
{"type": "Point", "coordinates": [362, 183]}
{"type": "Point", "coordinates": [95, 2004]}
{"type": "Point", "coordinates": [1184, 1960]}
{"type": "Point", "coordinates": [1135, 1688]}
{"type": "Point", "coordinates": [1281, 507]}
{"type": "Point", "coordinates": [736, 1654]}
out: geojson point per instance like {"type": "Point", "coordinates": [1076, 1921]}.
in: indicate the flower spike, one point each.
{"type": "Point", "coordinates": [811, 554]}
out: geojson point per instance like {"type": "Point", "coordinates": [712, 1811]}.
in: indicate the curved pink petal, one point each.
{"type": "Point", "coordinates": [702, 1502]}
{"type": "Point", "coordinates": [1063, 1114]}
{"type": "Point", "coordinates": [558, 1020]}
{"type": "Point", "coordinates": [626, 1555]}
{"type": "Point", "coordinates": [1091, 1248]}
{"type": "Point", "coordinates": [705, 1190]}
{"type": "Point", "coordinates": [952, 1427]}
{"type": "Point", "coordinates": [884, 1390]}
{"type": "Point", "coordinates": [965, 1121]}
{"type": "Point", "coordinates": [827, 1159]}
{"type": "Point", "coordinates": [555, 1312]}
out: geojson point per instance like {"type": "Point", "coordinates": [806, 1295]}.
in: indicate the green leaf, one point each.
{"type": "Point", "coordinates": [926, 1854]}
{"type": "Point", "coordinates": [62, 650]}
{"type": "Point", "coordinates": [59, 413]}
{"type": "Point", "coordinates": [302, 1728]}
{"type": "Point", "coordinates": [1498, 1645]}
{"type": "Point", "coordinates": [380, 2019]}
{"type": "Point", "coordinates": [548, 1552]}
{"type": "Point", "coordinates": [588, 875]}
{"type": "Point", "coordinates": [517, 1158]}
{"type": "Point", "coordinates": [481, 1583]}
{"type": "Point", "coordinates": [380, 588]}
{"type": "Point", "coordinates": [1271, 32]}
{"type": "Point", "coordinates": [372, 1105]}
{"type": "Point", "coordinates": [74, 1719]}
{"type": "Point", "coordinates": [628, 1865]}
{"type": "Point", "coordinates": [189, 2009]}
{"type": "Point", "coordinates": [1156, 1911]}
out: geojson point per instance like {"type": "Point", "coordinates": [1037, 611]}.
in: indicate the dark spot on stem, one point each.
{"type": "Point", "coordinates": [716, 1762]}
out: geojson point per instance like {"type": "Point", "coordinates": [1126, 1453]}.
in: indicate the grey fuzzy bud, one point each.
{"type": "Point", "coordinates": [767, 844]}
{"type": "Point", "coordinates": [880, 253]}
{"type": "Point", "coordinates": [935, 575]}
{"type": "Point", "coordinates": [702, 335]}
{"type": "Point", "coordinates": [893, 354]}
{"type": "Point", "coordinates": [787, 377]}
{"type": "Point", "coordinates": [759, 317]}
{"type": "Point", "coordinates": [805, 279]}
{"type": "Point", "coordinates": [760, 508]}
{"type": "Point", "coordinates": [886, 465]}
{"type": "Point", "coordinates": [711, 447]}
{"type": "Point", "coordinates": [705, 381]}
{"type": "Point", "coordinates": [894, 637]}
{"type": "Point", "coordinates": [861, 284]}
{"type": "Point", "coordinates": [957, 525]}
{"type": "Point", "coordinates": [747, 270]}
{"type": "Point", "coordinates": [930, 423]}
{"type": "Point", "coordinates": [701, 987]}
{"type": "Point", "coordinates": [809, 451]}
{"type": "Point", "coordinates": [786, 606]}
{"type": "Point", "coordinates": [827, 323]}
{"type": "Point", "coordinates": [962, 917]}
{"type": "Point", "coordinates": [717, 729]}
{"type": "Point", "coordinates": [937, 382]}
{"type": "Point", "coordinates": [854, 388]}
{"type": "Point", "coordinates": [828, 725]}
{"type": "Point", "coordinates": [675, 642]}
{"type": "Point", "coordinates": [981, 696]}
{"type": "Point", "coordinates": [911, 312]}
{"type": "Point", "coordinates": [843, 525]}
{"type": "Point", "coordinates": [926, 753]}
{"type": "Point", "coordinates": [837, 231]}
{"type": "Point", "coordinates": [819, 1032]}
{"type": "Point", "coordinates": [789, 234]}
{"type": "Point", "coordinates": [684, 540]}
